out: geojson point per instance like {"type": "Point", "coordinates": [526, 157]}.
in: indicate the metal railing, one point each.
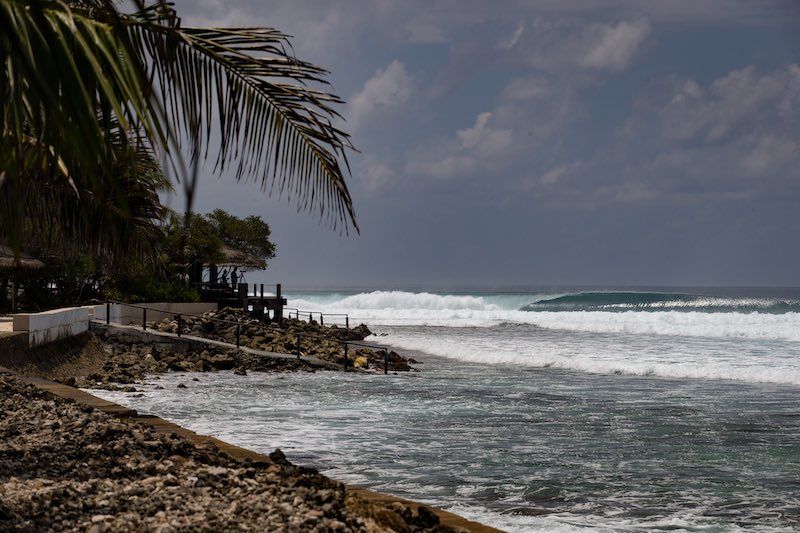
{"type": "Point", "coordinates": [178, 317]}
{"type": "Point", "coordinates": [310, 315]}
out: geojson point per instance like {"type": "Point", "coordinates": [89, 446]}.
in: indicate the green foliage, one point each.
{"type": "Point", "coordinates": [203, 237]}
{"type": "Point", "coordinates": [78, 73]}
{"type": "Point", "coordinates": [195, 241]}
{"type": "Point", "coordinates": [250, 235]}
{"type": "Point", "coordinates": [152, 289]}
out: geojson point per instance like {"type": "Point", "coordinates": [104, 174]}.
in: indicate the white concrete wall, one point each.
{"type": "Point", "coordinates": [49, 326]}
{"type": "Point", "coordinates": [124, 314]}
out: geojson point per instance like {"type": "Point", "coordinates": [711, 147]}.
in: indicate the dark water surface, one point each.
{"type": "Point", "coordinates": [522, 448]}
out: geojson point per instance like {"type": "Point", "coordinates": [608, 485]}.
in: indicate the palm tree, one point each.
{"type": "Point", "coordinates": [81, 82]}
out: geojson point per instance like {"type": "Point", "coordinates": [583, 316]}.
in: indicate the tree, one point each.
{"type": "Point", "coordinates": [78, 76]}
{"type": "Point", "coordinates": [250, 235]}
{"type": "Point", "coordinates": [203, 238]}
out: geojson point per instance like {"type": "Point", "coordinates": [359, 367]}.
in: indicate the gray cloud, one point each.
{"type": "Point", "coordinates": [547, 140]}
{"type": "Point", "coordinates": [387, 90]}
{"type": "Point", "coordinates": [614, 46]}
{"type": "Point", "coordinates": [732, 138]}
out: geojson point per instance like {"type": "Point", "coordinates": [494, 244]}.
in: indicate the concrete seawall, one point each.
{"type": "Point", "coordinates": [49, 326]}
{"type": "Point", "coordinates": [156, 311]}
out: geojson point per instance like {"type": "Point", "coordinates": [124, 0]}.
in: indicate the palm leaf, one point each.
{"type": "Point", "coordinates": [57, 66]}
{"type": "Point", "coordinates": [275, 127]}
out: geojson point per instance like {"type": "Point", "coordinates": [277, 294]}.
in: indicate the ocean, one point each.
{"type": "Point", "coordinates": [542, 410]}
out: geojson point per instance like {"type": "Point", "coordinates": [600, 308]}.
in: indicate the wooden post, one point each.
{"type": "Point", "coordinates": [321, 320]}
{"type": "Point", "coordinates": [278, 305]}
{"type": "Point", "coordinates": [347, 322]}
{"type": "Point", "coordinates": [108, 312]}
{"type": "Point", "coordinates": [262, 291]}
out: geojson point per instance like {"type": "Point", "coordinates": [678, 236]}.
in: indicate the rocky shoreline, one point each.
{"type": "Point", "coordinates": [322, 342]}
{"type": "Point", "coordinates": [118, 362]}
{"type": "Point", "coordinates": [65, 466]}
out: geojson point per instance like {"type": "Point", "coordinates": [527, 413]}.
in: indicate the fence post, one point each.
{"type": "Point", "coordinates": [310, 318]}
{"type": "Point", "coordinates": [108, 312]}
{"type": "Point", "coordinates": [321, 321]}
{"type": "Point", "coordinates": [345, 357]}
{"type": "Point", "coordinates": [238, 333]}
{"type": "Point", "coordinates": [278, 305]}
{"type": "Point", "coordinates": [180, 324]}
{"type": "Point", "coordinates": [297, 347]}
{"type": "Point", "coordinates": [144, 319]}
{"type": "Point", "coordinates": [385, 362]}
{"type": "Point", "coordinates": [347, 322]}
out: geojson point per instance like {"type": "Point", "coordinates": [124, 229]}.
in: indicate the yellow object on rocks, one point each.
{"type": "Point", "coordinates": [360, 362]}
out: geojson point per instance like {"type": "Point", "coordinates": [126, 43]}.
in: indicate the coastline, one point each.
{"type": "Point", "coordinates": [66, 359]}
{"type": "Point", "coordinates": [357, 497]}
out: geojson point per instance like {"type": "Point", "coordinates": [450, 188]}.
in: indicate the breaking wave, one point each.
{"type": "Point", "coordinates": [659, 301]}
{"type": "Point", "coordinates": [687, 358]}
{"type": "Point", "coordinates": [595, 312]}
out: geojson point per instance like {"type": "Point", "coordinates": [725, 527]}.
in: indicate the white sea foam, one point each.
{"type": "Point", "coordinates": [570, 523]}
{"type": "Point", "coordinates": [692, 324]}
{"type": "Point", "coordinates": [398, 308]}
{"type": "Point", "coordinates": [608, 356]}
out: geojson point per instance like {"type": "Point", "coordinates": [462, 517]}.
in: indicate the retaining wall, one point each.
{"type": "Point", "coordinates": [157, 311]}
{"type": "Point", "coordinates": [50, 326]}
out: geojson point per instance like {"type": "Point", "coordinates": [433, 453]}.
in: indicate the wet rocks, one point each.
{"type": "Point", "coordinates": [222, 361]}
{"type": "Point", "coordinates": [65, 466]}
{"type": "Point", "coordinates": [126, 364]}
{"type": "Point", "coordinates": [322, 342]}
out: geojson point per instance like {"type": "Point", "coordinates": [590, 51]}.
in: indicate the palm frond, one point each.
{"type": "Point", "coordinates": [274, 126]}
{"type": "Point", "coordinates": [78, 80]}
{"type": "Point", "coordinates": [57, 66]}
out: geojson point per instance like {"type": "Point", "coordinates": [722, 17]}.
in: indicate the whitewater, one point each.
{"type": "Point", "coordinates": [543, 410]}
{"type": "Point", "coordinates": [738, 337]}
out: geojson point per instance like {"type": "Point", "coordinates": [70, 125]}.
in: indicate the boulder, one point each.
{"type": "Point", "coordinates": [222, 362]}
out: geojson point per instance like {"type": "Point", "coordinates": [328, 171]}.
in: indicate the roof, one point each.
{"type": "Point", "coordinates": [241, 259]}
{"type": "Point", "coordinates": [9, 259]}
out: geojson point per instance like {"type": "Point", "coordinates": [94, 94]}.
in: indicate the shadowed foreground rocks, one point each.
{"type": "Point", "coordinates": [67, 467]}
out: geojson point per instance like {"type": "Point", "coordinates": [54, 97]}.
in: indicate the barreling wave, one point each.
{"type": "Point", "coordinates": [660, 301]}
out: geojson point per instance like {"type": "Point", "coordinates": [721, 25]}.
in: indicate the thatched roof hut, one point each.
{"type": "Point", "coordinates": [10, 260]}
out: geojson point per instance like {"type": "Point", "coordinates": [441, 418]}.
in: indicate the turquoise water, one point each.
{"type": "Point", "coordinates": [661, 416]}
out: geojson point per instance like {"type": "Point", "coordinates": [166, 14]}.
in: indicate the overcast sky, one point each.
{"type": "Point", "coordinates": [550, 142]}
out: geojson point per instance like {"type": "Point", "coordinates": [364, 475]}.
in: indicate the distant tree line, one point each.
{"type": "Point", "coordinates": [77, 275]}
{"type": "Point", "coordinates": [101, 102]}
